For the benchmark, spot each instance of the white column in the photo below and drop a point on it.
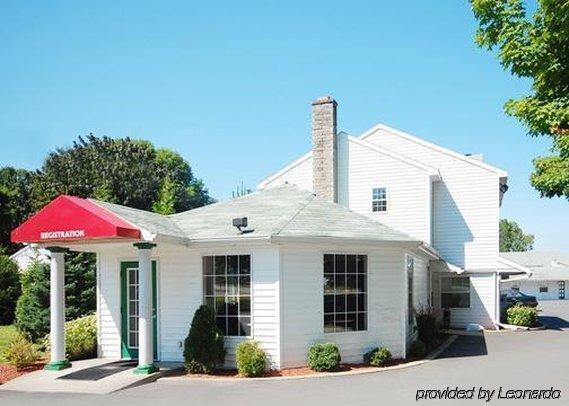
(145, 324)
(57, 310)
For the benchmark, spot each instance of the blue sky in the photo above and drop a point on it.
(229, 84)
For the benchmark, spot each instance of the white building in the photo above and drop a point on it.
(449, 200)
(549, 274)
(366, 230)
(28, 255)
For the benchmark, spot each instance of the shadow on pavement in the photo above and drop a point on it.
(466, 346)
(554, 322)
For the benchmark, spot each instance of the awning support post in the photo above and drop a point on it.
(57, 310)
(145, 324)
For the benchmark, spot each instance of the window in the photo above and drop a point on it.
(543, 289)
(345, 293)
(410, 265)
(227, 290)
(379, 199)
(455, 292)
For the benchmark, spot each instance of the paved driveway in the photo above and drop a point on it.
(524, 360)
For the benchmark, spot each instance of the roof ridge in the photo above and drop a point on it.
(302, 207)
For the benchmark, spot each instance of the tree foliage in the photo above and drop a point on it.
(123, 171)
(32, 309)
(10, 289)
(512, 237)
(80, 285)
(537, 48)
(15, 202)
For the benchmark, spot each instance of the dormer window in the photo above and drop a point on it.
(379, 200)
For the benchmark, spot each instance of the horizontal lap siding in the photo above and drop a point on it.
(360, 169)
(108, 306)
(180, 295)
(531, 287)
(465, 203)
(303, 324)
(300, 175)
(481, 311)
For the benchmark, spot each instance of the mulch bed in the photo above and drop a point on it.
(8, 372)
(300, 371)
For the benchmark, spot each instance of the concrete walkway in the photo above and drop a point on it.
(93, 376)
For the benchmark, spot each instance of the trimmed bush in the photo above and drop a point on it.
(251, 359)
(81, 338)
(418, 349)
(203, 348)
(10, 289)
(21, 352)
(522, 316)
(377, 357)
(427, 326)
(324, 357)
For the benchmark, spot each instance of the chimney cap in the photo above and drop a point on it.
(324, 100)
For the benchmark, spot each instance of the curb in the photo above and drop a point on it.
(372, 370)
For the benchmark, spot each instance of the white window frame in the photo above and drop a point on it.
(450, 291)
(365, 292)
(229, 254)
(385, 199)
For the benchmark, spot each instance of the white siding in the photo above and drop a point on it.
(531, 287)
(482, 301)
(180, 295)
(465, 203)
(299, 175)
(302, 304)
(360, 169)
(108, 306)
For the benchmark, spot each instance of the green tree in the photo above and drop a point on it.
(166, 201)
(122, 171)
(512, 237)
(10, 289)
(80, 285)
(15, 202)
(537, 48)
(32, 309)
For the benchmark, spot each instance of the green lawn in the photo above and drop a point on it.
(6, 335)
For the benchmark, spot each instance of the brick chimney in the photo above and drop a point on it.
(325, 148)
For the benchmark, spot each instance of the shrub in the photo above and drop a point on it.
(251, 359)
(80, 338)
(324, 357)
(20, 352)
(10, 289)
(203, 348)
(522, 316)
(418, 349)
(32, 309)
(377, 357)
(427, 325)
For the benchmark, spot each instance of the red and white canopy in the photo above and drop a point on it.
(69, 218)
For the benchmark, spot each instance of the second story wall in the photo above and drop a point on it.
(362, 168)
(465, 212)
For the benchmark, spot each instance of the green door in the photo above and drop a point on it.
(129, 310)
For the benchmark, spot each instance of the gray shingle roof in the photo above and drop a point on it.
(152, 222)
(280, 211)
(285, 211)
(544, 265)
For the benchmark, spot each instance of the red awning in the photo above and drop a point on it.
(69, 218)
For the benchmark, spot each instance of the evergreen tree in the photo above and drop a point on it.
(10, 289)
